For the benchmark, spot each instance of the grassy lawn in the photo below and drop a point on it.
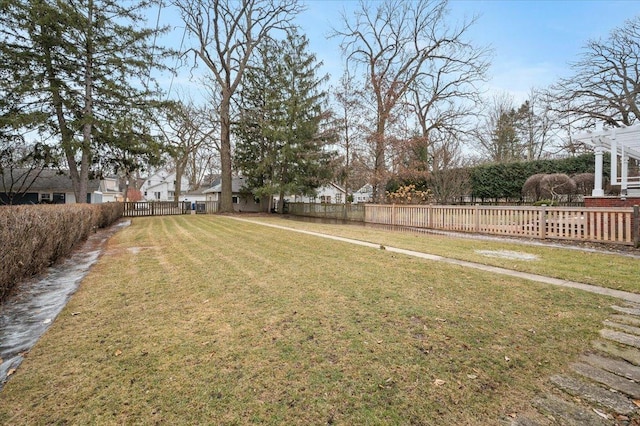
(207, 320)
(605, 270)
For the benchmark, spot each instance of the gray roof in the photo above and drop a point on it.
(48, 180)
(237, 185)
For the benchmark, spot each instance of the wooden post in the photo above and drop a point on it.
(636, 226)
(542, 222)
(476, 219)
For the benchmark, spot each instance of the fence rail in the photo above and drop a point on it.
(162, 208)
(155, 208)
(609, 225)
(353, 212)
(605, 225)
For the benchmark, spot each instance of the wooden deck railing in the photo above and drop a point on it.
(610, 225)
(155, 208)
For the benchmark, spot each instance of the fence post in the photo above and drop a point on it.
(393, 214)
(636, 226)
(542, 222)
(476, 219)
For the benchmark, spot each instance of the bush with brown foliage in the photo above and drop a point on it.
(584, 183)
(408, 194)
(532, 188)
(34, 237)
(556, 184)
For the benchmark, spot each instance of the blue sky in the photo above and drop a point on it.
(532, 41)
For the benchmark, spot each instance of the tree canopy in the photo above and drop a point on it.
(72, 69)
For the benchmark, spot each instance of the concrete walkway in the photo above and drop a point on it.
(623, 295)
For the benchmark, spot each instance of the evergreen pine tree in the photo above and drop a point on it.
(281, 147)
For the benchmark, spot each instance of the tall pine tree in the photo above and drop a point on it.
(282, 142)
(73, 69)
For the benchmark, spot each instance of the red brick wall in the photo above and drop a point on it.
(611, 202)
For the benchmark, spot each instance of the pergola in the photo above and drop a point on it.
(623, 143)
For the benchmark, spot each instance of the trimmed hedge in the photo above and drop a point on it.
(34, 237)
(506, 180)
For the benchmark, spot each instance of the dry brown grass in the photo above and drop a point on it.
(206, 320)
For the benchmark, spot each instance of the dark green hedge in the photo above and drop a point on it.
(33, 237)
(501, 181)
(505, 181)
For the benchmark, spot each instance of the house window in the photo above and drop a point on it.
(312, 199)
(45, 198)
(58, 198)
(325, 199)
(339, 198)
(235, 200)
(156, 195)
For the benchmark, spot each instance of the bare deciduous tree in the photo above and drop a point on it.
(605, 85)
(349, 118)
(393, 42)
(536, 125)
(226, 33)
(186, 130)
(497, 136)
(445, 95)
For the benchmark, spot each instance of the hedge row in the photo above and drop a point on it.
(497, 181)
(33, 237)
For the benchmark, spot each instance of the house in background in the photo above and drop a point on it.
(52, 187)
(194, 196)
(330, 194)
(161, 186)
(243, 201)
(363, 195)
(110, 189)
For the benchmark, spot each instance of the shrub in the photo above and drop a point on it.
(408, 194)
(33, 237)
(556, 184)
(531, 187)
(584, 183)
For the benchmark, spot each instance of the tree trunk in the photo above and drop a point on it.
(181, 165)
(281, 202)
(379, 171)
(226, 197)
(87, 127)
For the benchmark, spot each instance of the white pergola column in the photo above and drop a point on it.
(624, 159)
(597, 186)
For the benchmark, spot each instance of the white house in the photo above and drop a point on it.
(243, 201)
(110, 189)
(330, 194)
(363, 195)
(161, 186)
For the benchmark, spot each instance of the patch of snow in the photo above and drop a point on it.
(507, 254)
